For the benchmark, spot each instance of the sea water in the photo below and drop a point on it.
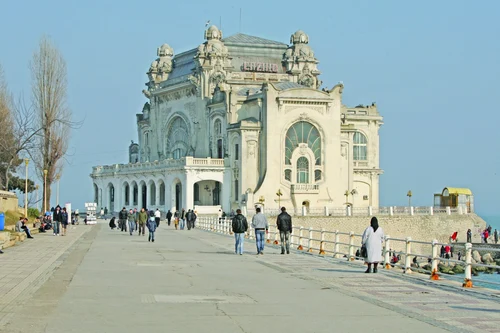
(494, 221)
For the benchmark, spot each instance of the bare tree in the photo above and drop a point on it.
(48, 70)
(8, 156)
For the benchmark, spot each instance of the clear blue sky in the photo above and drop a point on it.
(431, 66)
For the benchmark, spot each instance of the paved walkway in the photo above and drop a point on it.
(28, 265)
(191, 281)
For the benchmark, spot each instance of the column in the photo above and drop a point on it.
(131, 195)
(157, 195)
(187, 191)
(148, 196)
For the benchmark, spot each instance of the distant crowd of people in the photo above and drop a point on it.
(134, 220)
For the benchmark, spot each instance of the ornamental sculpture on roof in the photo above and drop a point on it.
(161, 67)
(299, 60)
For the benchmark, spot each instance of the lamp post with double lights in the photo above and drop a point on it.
(26, 161)
(58, 177)
(45, 171)
(409, 195)
(37, 203)
(279, 194)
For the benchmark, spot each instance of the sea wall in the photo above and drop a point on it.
(420, 228)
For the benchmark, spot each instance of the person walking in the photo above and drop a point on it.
(259, 223)
(151, 224)
(469, 236)
(169, 217)
(56, 220)
(136, 213)
(122, 219)
(131, 221)
(373, 236)
(190, 218)
(240, 226)
(495, 236)
(157, 217)
(284, 224)
(176, 219)
(182, 219)
(65, 221)
(143, 217)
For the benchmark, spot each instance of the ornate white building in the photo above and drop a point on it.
(239, 120)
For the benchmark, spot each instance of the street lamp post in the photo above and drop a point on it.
(409, 194)
(58, 177)
(45, 190)
(279, 194)
(37, 203)
(353, 192)
(346, 194)
(26, 161)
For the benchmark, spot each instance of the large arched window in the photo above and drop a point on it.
(302, 132)
(359, 147)
(302, 170)
(178, 138)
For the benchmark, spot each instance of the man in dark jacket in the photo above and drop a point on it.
(284, 223)
(240, 226)
(122, 219)
(169, 217)
(57, 220)
(190, 218)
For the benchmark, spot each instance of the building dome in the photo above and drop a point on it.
(165, 51)
(213, 33)
(299, 37)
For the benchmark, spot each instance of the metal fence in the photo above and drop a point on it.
(343, 244)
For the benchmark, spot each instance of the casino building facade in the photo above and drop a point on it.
(240, 122)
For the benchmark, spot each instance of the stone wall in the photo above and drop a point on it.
(421, 228)
(8, 201)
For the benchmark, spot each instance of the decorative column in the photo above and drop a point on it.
(157, 195)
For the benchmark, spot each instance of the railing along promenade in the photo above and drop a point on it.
(371, 211)
(343, 245)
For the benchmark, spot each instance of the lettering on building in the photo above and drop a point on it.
(260, 67)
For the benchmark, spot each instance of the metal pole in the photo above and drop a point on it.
(57, 192)
(45, 190)
(26, 190)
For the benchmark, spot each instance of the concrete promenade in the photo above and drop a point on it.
(191, 281)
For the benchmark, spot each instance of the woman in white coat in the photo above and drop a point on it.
(372, 239)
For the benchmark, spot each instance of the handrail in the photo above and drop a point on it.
(346, 244)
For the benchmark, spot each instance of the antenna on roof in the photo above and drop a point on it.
(220, 23)
(240, 19)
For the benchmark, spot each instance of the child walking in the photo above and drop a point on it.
(151, 224)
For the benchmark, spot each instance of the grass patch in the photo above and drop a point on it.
(11, 217)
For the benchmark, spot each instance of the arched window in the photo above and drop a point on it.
(178, 138)
(177, 154)
(302, 132)
(218, 127)
(302, 170)
(196, 191)
(359, 147)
